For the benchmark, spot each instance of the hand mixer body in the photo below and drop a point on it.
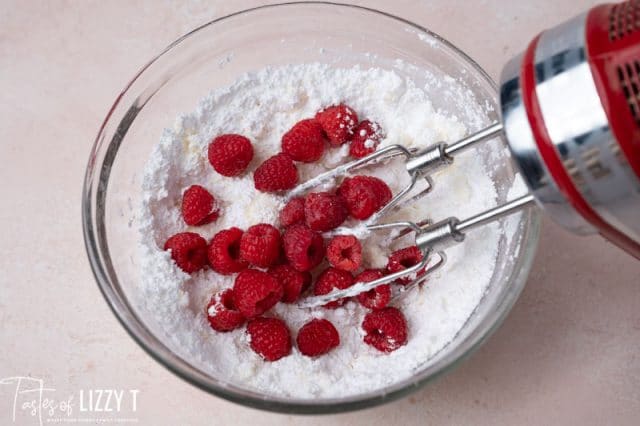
(571, 117)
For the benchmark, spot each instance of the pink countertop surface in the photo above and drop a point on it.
(569, 352)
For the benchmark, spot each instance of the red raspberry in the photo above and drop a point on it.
(364, 195)
(269, 338)
(198, 206)
(386, 329)
(344, 252)
(324, 211)
(382, 191)
(255, 292)
(292, 213)
(293, 282)
(230, 154)
(305, 141)
(260, 245)
(303, 247)
(366, 138)
(403, 259)
(378, 297)
(222, 312)
(224, 252)
(338, 123)
(317, 337)
(276, 174)
(188, 250)
(333, 279)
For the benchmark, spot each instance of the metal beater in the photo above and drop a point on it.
(570, 108)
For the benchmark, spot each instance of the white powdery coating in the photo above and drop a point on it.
(263, 106)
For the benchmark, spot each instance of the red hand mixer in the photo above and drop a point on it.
(570, 109)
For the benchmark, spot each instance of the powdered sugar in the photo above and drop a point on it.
(263, 106)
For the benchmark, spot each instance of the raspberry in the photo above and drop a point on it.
(317, 337)
(381, 189)
(188, 250)
(198, 206)
(364, 195)
(255, 292)
(403, 259)
(276, 174)
(344, 252)
(293, 282)
(366, 138)
(333, 279)
(269, 338)
(376, 298)
(260, 245)
(230, 154)
(305, 141)
(224, 252)
(303, 247)
(324, 211)
(386, 329)
(222, 312)
(292, 213)
(338, 123)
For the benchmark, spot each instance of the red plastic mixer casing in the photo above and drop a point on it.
(613, 48)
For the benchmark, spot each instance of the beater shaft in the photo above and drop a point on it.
(443, 234)
(497, 212)
(480, 136)
(441, 154)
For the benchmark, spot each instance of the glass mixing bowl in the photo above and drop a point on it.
(213, 56)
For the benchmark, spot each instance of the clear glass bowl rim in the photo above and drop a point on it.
(96, 245)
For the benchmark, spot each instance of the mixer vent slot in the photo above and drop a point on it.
(629, 75)
(624, 19)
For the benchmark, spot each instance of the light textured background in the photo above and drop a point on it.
(568, 352)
